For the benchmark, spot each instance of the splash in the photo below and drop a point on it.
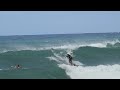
(92, 72)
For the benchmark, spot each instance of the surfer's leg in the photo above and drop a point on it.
(71, 62)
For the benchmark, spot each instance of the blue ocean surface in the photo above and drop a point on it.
(44, 56)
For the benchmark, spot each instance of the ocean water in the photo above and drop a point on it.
(44, 56)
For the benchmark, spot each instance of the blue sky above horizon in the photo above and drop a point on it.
(58, 22)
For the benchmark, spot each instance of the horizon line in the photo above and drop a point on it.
(58, 33)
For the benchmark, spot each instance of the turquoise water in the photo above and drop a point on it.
(44, 56)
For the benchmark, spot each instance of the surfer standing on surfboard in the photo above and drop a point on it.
(70, 58)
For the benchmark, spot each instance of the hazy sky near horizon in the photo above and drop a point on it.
(58, 22)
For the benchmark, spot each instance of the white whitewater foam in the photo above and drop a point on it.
(59, 58)
(92, 72)
(100, 45)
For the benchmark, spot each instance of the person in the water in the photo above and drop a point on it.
(17, 66)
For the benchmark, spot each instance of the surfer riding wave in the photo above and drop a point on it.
(70, 59)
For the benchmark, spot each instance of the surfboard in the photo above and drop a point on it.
(73, 65)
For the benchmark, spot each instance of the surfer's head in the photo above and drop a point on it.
(18, 66)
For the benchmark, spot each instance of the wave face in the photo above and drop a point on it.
(44, 56)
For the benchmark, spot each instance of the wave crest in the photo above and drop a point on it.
(74, 46)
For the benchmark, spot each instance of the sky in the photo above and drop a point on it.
(58, 22)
